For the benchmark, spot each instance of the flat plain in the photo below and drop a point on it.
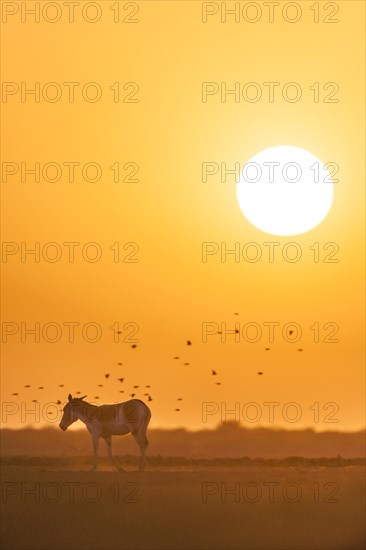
(181, 505)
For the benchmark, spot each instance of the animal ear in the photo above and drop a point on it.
(83, 397)
(70, 397)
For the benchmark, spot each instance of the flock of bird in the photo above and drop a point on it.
(146, 395)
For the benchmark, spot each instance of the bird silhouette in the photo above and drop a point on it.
(186, 364)
(27, 386)
(300, 349)
(121, 379)
(189, 343)
(61, 385)
(218, 383)
(176, 357)
(134, 346)
(120, 364)
(41, 387)
(58, 402)
(96, 396)
(177, 410)
(121, 391)
(290, 332)
(107, 375)
(136, 387)
(260, 373)
(179, 399)
(147, 386)
(213, 372)
(267, 349)
(15, 394)
(132, 394)
(100, 385)
(149, 398)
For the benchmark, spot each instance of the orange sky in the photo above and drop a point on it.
(169, 293)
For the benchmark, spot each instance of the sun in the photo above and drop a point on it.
(285, 190)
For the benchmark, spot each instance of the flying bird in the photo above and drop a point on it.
(218, 383)
(267, 349)
(100, 385)
(41, 387)
(58, 402)
(175, 357)
(132, 394)
(134, 346)
(186, 364)
(177, 410)
(260, 373)
(106, 375)
(96, 397)
(61, 385)
(149, 398)
(120, 364)
(27, 386)
(136, 387)
(121, 379)
(179, 399)
(189, 343)
(213, 372)
(300, 349)
(15, 394)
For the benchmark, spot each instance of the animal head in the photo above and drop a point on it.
(70, 411)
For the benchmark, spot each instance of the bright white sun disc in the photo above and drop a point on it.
(285, 190)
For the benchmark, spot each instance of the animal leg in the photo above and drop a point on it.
(143, 443)
(95, 450)
(108, 440)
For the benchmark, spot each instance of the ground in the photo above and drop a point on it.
(183, 507)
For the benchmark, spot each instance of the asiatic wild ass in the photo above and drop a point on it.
(131, 416)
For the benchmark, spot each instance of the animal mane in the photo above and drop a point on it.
(77, 400)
